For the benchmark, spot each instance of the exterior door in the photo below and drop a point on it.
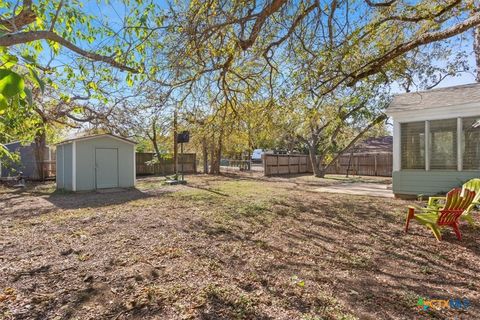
(106, 168)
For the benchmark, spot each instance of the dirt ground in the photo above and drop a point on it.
(227, 247)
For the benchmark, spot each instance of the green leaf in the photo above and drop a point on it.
(11, 83)
(29, 95)
(129, 80)
(3, 103)
(37, 79)
(29, 59)
(55, 47)
(92, 85)
(8, 60)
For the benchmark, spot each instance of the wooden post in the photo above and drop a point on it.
(195, 163)
(288, 157)
(278, 166)
(175, 144)
(375, 155)
(356, 166)
(183, 160)
(265, 171)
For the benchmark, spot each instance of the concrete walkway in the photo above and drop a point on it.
(364, 189)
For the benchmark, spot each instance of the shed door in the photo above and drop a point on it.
(106, 168)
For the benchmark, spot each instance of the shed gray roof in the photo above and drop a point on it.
(86, 137)
(434, 98)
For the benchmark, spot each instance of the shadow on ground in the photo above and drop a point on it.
(297, 254)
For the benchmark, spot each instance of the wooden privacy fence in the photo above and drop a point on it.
(357, 164)
(285, 164)
(165, 165)
(49, 169)
(363, 164)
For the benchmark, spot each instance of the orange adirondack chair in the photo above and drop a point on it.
(449, 215)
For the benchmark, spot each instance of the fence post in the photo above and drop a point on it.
(357, 166)
(265, 172)
(288, 158)
(375, 155)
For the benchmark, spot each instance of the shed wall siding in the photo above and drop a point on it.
(67, 172)
(59, 167)
(416, 182)
(86, 162)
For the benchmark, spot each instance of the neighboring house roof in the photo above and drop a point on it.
(436, 98)
(374, 145)
(88, 137)
(9, 143)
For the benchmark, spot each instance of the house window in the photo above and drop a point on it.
(471, 143)
(413, 145)
(443, 144)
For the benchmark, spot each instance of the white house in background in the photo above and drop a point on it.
(436, 139)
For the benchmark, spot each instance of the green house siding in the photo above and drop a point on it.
(420, 182)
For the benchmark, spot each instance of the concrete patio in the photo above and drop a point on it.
(364, 189)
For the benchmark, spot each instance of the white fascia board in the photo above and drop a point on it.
(96, 137)
(397, 148)
(448, 112)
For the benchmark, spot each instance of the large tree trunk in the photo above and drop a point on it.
(322, 168)
(215, 157)
(153, 139)
(157, 151)
(213, 164)
(205, 154)
(312, 150)
(40, 146)
(218, 153)
(218, 146)
(476, 50)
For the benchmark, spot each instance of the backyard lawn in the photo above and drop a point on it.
(226, 247)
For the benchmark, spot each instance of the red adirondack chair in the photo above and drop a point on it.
(436, 218)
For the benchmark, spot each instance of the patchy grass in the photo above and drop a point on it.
(237, 247)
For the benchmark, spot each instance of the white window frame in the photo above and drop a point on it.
(397, 144)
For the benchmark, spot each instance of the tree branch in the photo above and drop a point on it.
(375, 66)
(380, 4)
(376, 121)
(52, 25)
(24, 18)
(292, 28)
(29, 36)
(259, 22)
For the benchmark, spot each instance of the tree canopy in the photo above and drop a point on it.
(318, 74)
